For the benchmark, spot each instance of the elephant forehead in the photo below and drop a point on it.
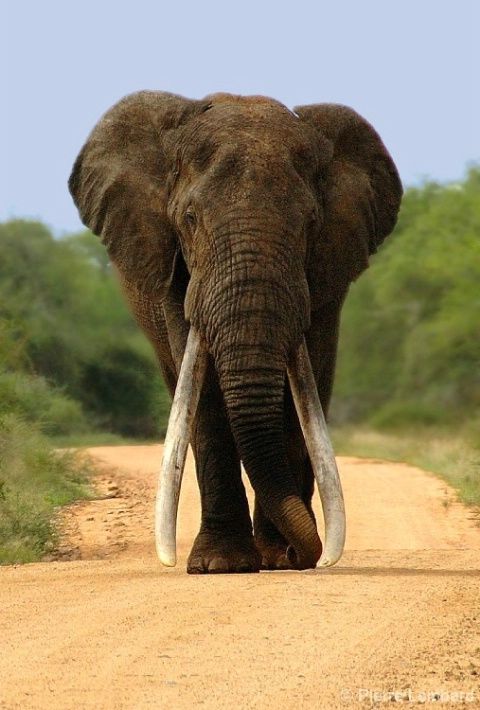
(246, 102)
(263, 129)
(261, 118)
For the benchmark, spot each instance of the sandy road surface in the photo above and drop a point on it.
(110, 628)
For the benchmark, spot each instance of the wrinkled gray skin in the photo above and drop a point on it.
(248, 221)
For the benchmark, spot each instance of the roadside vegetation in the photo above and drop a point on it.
(75, 369)
(408, 377)
(453, 455)
(34, 481)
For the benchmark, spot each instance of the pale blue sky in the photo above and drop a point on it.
(410, 67)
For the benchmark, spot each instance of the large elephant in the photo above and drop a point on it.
(244, 222)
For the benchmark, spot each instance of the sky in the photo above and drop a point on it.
(409, 67)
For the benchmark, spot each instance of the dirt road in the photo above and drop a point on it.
(112, 629)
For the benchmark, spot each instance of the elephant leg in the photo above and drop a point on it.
(322, 339)
(225, 540)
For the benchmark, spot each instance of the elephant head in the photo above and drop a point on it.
(274, 213)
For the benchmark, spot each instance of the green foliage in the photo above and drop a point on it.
(402, 415)
(71, 361)
(410, 345)
(34, 400)
(126, 391)
(34, 480)
(64, 320)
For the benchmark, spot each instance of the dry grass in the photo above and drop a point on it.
(454, 456)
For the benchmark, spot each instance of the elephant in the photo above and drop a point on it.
(236, 226)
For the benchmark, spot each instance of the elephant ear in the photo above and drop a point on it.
(119, 184)
(361, 192)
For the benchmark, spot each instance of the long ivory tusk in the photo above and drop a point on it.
(312, 421)
(185, 401)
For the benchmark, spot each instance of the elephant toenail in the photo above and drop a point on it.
(291, 555)
(244, 566)
(218, 564)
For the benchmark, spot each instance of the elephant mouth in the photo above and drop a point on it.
(314, 429)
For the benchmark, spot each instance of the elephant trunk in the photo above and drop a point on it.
(251, 338)
(254, 397)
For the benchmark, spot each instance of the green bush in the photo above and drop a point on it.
(125, 390)
(409, 341)
(33, 400)
(405, 415)
(34, 480)
(61, 314)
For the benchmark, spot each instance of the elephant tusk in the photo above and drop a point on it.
(312, 421)
(185, 401)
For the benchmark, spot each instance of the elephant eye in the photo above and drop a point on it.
(190, 217)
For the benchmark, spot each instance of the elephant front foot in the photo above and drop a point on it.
(271, 545)
(278, 555)
(223, 552)
(274, 549)
(274, 553)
